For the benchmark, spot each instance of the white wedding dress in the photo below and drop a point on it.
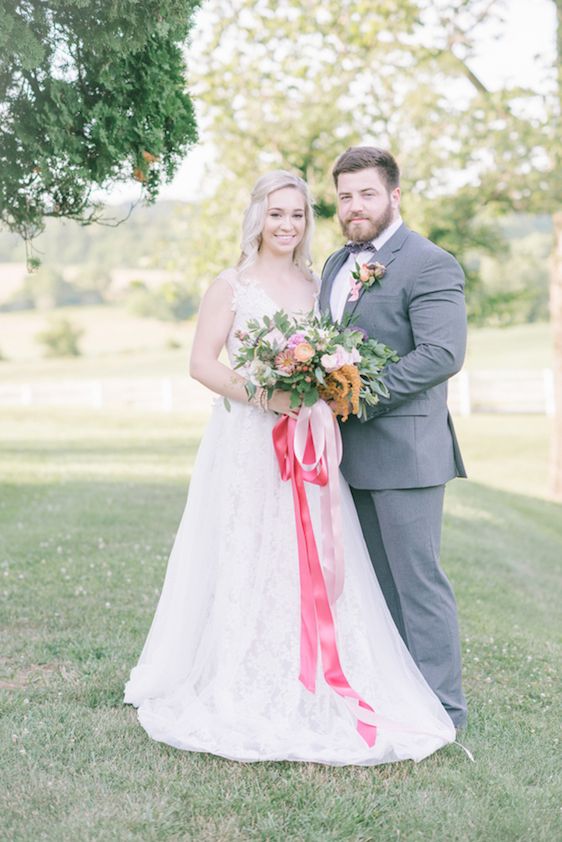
(219, 670)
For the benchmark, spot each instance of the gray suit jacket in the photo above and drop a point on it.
(418, 310)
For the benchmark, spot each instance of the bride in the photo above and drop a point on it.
(219, 671)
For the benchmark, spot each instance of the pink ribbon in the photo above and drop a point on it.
(309, 450)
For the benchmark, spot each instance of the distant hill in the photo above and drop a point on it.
(139, 241)
(142, 239)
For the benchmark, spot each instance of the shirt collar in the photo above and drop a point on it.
(379, 241)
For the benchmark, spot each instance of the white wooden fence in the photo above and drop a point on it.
(470, 392)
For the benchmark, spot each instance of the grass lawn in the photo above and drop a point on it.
(526, 346)
(88, 508)
(118, 344)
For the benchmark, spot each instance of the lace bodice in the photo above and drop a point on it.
(251, 301)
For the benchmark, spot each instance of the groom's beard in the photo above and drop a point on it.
(370, 228)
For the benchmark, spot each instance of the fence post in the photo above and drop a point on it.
(167, 395)
(26, 395)
(97, 394)
(465, 407)
(549, 398)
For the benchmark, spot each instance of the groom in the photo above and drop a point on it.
(398, 461)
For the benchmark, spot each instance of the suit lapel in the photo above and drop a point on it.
(331, 269)
(386, 255)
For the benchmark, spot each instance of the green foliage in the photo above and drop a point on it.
(514, 283)
(271, 97)
(169, 302)
(46, 288)
(92, 93)
(61, 338)
(149, 236)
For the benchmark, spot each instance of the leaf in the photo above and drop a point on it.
(319, 374)
(227, 404)
(311, 397)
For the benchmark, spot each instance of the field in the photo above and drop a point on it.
(115, 343)
(89, 502)
(88, 510)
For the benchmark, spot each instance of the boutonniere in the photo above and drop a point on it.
(363, 277)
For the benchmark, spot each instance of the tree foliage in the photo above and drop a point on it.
(61, 338)
(292, 84)
(91, 93)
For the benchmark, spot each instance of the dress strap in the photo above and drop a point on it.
(232, 277)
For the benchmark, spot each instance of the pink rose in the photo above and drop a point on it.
(331, 362)
(328, 361)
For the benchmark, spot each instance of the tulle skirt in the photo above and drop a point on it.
(219, 669)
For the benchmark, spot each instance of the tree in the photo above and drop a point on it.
(60, 338)
(556, 281)
(91, 93)
(292, 84)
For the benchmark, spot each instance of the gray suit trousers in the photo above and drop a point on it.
(402, 529)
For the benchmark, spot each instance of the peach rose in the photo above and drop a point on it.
(364, 273)
(303, 352)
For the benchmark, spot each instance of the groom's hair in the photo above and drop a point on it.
(362, 157)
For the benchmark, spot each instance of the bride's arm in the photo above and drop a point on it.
(213, 325)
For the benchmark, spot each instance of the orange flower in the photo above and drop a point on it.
(149, 157)
(342, 388)
(364, 273)
(303, 352)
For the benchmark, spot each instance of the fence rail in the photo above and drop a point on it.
(494, 391)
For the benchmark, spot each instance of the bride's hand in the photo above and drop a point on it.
(280, 402)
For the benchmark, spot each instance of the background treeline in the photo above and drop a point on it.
(508, 282)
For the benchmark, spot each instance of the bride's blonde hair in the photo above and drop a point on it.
(255, 213)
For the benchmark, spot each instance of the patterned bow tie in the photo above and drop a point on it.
(355, 248)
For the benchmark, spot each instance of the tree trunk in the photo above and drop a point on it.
(556, 319)
(556, 283)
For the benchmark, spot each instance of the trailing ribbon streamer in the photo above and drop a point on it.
(309, 450)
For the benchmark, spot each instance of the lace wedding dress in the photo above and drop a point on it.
(219, 670)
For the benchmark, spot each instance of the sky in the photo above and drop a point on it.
(515, 52)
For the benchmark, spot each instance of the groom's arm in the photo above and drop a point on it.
(437, 316)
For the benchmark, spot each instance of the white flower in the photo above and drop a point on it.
(261, 374)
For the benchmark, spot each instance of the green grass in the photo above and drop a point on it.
(526, 346)
(510, 452)
(115, 343)
(88, 508)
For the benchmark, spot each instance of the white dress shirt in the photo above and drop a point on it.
(341, 286)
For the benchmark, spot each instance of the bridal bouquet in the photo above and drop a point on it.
(314, 359)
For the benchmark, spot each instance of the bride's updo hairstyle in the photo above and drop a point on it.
(255, 214)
